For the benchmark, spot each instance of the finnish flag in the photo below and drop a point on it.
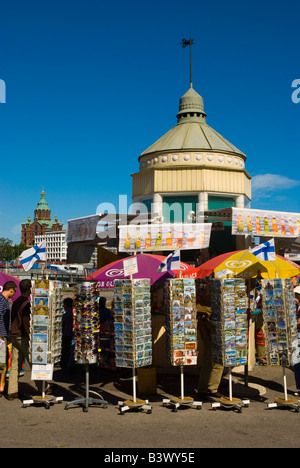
(265, 251)
(172, 262)
(30, 256)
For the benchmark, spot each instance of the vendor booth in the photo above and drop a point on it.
(240, 266)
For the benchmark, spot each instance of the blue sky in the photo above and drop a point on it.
(91, 84)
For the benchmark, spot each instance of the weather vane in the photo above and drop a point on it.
(184, 44)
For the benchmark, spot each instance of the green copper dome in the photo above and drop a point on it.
(42, 204)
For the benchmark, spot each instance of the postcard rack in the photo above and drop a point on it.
(45, 337)
(181, 327)
(229, 332)
(86, 329)
(133, 333)
(280, 324)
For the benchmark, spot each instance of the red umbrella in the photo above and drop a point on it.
(147, 267)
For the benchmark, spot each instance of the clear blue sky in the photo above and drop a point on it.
(91, 84)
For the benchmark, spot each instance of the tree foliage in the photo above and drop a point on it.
(10, 251)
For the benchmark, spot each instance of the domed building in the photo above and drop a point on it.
(191, 169)
(41, 224)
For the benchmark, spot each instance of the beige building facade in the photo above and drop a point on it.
(193, 166)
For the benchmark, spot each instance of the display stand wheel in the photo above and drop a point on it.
(291, 403)
(233, 403)
(42, 400)
(134, 404)
(183, 401)
(128, 405)
(186, 402)
(88, 400)
(228, 402)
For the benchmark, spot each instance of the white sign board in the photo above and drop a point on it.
(265, 223)
(157, 237)
(42, 372)
(130, 266)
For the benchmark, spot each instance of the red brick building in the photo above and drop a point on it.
(41, 224)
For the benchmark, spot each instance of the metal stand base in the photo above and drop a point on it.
(230, 403)
(175, 403)
(234, 403)
(291, 403)
(134, 405)
(88, 400)
(42, 400)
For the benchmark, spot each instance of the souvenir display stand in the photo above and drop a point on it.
(229, 332)
(133, 333)
(86, 328)
(280, 327)
(180, 299)
(45, 336)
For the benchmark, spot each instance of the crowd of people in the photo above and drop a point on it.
(15, 328)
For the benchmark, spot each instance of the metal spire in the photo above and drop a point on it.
(185, 43)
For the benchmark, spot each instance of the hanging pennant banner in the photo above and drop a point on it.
(157, 237)
(265, 223)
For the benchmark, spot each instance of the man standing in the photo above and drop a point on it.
(9, 290)
(20, 329)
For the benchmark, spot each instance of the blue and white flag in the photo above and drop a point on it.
(30, 256)
(172, 262)
(265, 251)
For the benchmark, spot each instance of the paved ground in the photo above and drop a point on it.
(256, 426)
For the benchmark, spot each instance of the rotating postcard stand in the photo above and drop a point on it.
(280, 324)
(181, 326)
(86, 327)
(45, 337)
(133, 333)
(229, 332)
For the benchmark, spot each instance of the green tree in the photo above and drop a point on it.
(9, 251)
